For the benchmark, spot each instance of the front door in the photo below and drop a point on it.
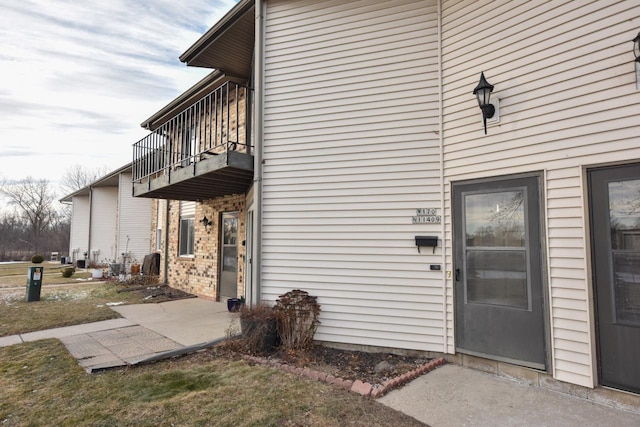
(499, 298)
(615, 242)
(229, 255)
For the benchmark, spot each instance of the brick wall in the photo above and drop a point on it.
(199, 274)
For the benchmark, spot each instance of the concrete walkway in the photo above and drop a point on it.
(188, 321)
(144, 332)
(453, 395)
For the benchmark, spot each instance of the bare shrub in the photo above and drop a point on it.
(297, 314)
(259, 330)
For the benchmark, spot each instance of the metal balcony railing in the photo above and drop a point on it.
(214, 125)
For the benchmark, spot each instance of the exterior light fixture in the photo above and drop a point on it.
(483, 93)
(206, 222)
(636, 55)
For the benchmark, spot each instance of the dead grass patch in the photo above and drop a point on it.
(43, 385)
(60, 306)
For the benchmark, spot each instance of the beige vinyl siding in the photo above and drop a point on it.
(134, 221)
(79, 235)
(351, 150)
(104, 207)
(563, 71)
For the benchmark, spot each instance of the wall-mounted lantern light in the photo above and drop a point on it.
(636, 55)
(483, 93)
(206, 222)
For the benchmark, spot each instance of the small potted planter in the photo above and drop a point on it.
(235, 304)
(135, 269)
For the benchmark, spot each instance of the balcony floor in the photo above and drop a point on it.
(215, 176)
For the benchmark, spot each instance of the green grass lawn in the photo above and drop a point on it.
(43, 385)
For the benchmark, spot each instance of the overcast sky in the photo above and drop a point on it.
(77, 77)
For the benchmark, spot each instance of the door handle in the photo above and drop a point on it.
(457, 274)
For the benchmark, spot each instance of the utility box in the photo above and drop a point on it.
(34, 283)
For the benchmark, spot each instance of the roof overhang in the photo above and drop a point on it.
(228, 45)
(112, 179)
(192, 95)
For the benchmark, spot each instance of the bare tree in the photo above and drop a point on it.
(77, 177)
(34, 200)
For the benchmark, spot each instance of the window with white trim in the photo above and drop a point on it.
(187, 228)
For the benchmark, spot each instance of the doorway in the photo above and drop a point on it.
(614, 200)
(229, 255)
(498, 280)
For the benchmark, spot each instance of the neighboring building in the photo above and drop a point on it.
(369, 146)
(107, 222)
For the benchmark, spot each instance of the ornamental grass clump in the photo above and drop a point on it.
(297, 314)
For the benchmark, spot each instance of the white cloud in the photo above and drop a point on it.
(77, 78)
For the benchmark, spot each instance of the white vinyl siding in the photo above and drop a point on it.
(134, 222)
(104, 208)
(351, 150)
(563, 71)
(79, 236)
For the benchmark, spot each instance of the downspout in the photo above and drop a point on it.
(445, 338)
(86, 263)
(165, 263)
(258, 126)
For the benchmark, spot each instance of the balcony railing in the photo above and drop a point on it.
(214, 125)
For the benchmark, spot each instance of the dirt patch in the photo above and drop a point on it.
(372, 368)
(155, 293)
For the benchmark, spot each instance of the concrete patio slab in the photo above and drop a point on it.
(453, 395)
(117, 347)
(188, 321)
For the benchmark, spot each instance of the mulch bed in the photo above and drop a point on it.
(374, 368)
(151, 292)
(369, 374)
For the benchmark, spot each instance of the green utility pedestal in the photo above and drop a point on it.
(34, 283)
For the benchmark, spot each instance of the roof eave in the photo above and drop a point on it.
(216, 31)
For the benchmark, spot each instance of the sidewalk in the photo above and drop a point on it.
(145, 331)
(453, 395)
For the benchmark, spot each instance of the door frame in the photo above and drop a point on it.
(591, 272)
(235, 214)
(544, 264)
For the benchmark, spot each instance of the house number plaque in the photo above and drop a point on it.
(426, 216)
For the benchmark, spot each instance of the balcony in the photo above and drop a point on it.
(203, 152)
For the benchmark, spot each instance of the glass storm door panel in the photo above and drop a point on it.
(498, 271)
(615, 242)
(229, 256)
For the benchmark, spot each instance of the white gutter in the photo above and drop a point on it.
(257, 162)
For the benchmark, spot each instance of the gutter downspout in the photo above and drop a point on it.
(258, 126)
(86, 262)
(165, 266)
(445, 338)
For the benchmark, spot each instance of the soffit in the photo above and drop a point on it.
(228, 45)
